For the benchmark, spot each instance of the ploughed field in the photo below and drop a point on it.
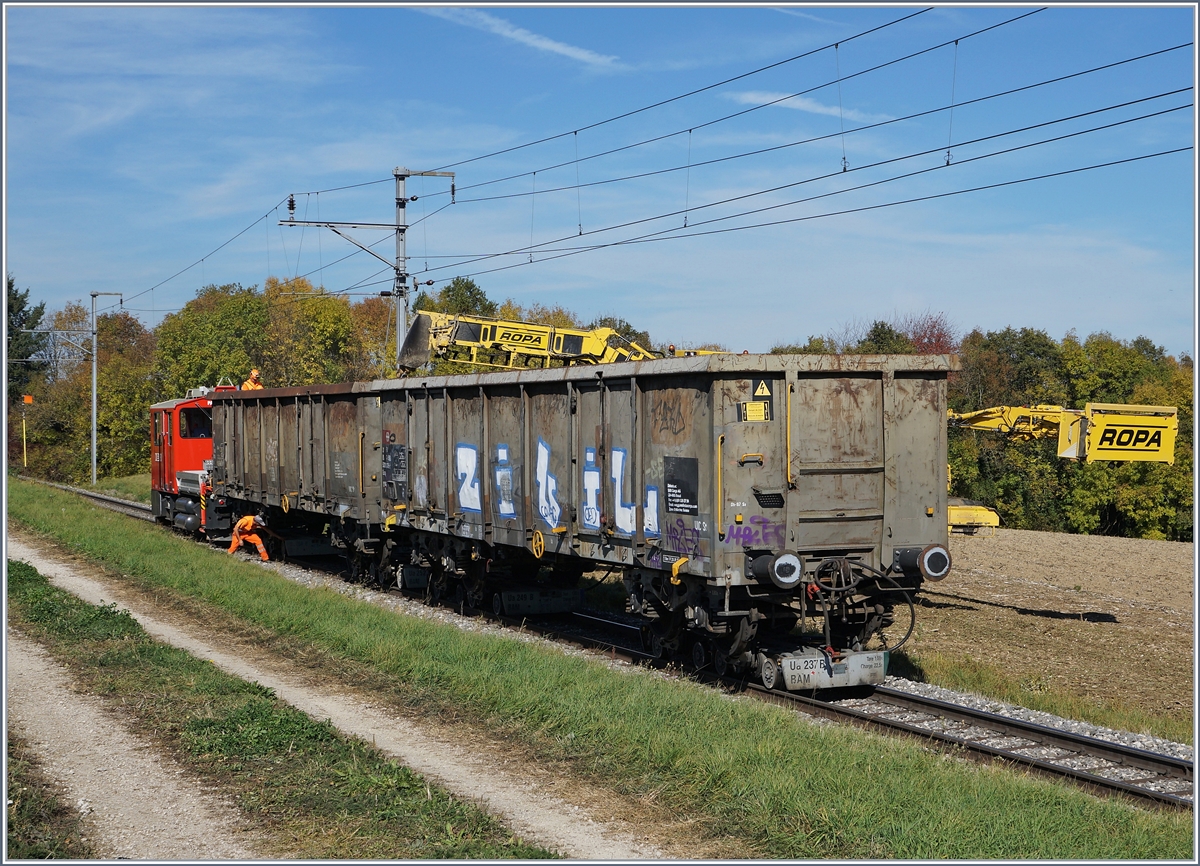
(1105, 619)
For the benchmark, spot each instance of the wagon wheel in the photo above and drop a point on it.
(538, 544)
(699, 655)
(433, 590)
(498, 604)
(720, 662)
(769, 673)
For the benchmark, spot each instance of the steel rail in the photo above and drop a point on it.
(981, 734)
(134, 509)
(1083, 759)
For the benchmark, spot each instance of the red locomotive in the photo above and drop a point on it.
(181, 452)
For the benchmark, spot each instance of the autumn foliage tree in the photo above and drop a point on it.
(310, 336)
(219, 334)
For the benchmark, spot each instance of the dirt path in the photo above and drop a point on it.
(523, 800)
(135, 804)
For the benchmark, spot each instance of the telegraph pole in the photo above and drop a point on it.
(400, 289)
(95, 353)
(400, 285)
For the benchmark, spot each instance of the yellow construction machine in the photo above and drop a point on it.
(1099, 431)
(516, 345)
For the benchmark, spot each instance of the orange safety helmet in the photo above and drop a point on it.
(254, 374)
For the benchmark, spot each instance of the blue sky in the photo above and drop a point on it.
(138, 140)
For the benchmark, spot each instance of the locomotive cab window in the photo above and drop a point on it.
(158, 428)
(195, 424)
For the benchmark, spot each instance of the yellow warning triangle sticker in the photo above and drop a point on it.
(762, 390)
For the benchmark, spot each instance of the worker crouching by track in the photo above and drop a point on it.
(245, 531)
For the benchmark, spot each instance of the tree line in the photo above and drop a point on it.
(297, 334)
(1026, 482)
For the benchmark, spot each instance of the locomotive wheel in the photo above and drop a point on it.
(699, 655)
(460, 595)
(769, 673)
(657, 648)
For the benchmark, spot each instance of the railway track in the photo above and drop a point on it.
(134, 509)
(1099, 765)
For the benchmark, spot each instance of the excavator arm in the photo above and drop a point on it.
(1099, 431)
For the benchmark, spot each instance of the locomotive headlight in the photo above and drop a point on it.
(934, 562)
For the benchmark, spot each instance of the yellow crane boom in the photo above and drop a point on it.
(1099, 431)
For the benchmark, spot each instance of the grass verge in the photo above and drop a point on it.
(745, 770)
(318, 793)
(969, 675)
(135, 488)
(41, 825)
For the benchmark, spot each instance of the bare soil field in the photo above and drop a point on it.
(1110, 619)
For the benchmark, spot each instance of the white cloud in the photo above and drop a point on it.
(802, 103)
(500, 27)
(799, 14)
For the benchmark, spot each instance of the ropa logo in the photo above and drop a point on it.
(514, 337)
(1131, 437)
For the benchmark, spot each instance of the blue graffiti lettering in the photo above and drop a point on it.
(625, 512)
(548, 507)
(504, 483)
(466, 458)
(650, 521)
(590, 517)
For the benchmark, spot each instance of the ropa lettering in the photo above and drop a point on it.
(514, 337)
(1130, 437)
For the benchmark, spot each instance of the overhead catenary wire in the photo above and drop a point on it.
(751, 109)
(575, 135)
(690, 93)
(864, 128)
(182, 271)
(666, 215)
(864, 208)
(629, 114)
(652, 105)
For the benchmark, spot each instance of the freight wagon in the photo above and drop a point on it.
(770, 513)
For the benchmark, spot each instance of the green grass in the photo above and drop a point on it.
(135, 488)
(968, 675)
(41, 825)
(744, 770)
(289, 772)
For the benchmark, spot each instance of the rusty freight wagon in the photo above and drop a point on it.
(766, 512)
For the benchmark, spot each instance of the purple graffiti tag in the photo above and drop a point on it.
(761, 532)
(681, 538)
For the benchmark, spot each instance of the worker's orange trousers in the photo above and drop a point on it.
(249, 538)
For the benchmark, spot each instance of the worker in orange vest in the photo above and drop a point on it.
(245, 531)
(254, 383)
